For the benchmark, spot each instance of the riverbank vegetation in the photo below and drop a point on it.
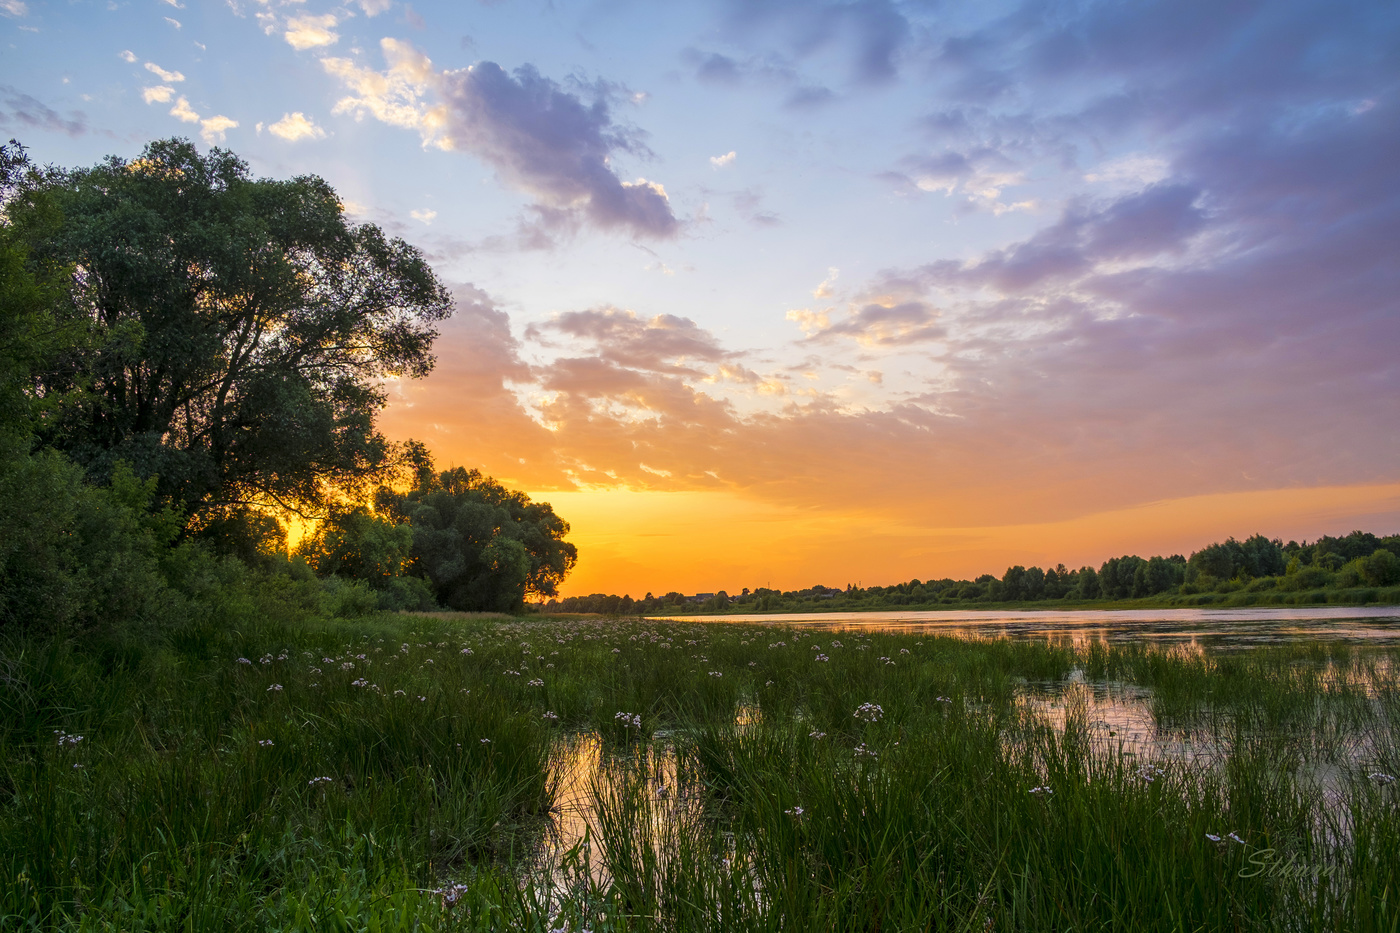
(1355, 569)
(276, 771)
(192, 360)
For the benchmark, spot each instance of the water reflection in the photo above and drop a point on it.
(1192, 628)
(622, 807)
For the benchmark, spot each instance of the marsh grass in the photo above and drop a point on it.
(407, 773)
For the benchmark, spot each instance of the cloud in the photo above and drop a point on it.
(1160, 219)
(722, 161)
(1133, 171)
(541, 139)
(183, 111)
(174, 77)
(296, 126)
(308, 32)
(213, 129)
(174, 22)
(30, 113)
(373, 8)
(663, 343)
(14, 8)
(1216, 313)
(128, 56)
(160, 94)
(870, 36)
(889, 322)
(423, 216)
(176, 4)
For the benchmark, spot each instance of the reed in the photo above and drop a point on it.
(400, 772)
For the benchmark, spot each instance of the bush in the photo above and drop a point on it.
(348, 598)
(1306, 578)
(407, 594)
(1382, 568)
(76, 556)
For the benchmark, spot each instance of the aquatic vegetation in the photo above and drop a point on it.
(544, 774)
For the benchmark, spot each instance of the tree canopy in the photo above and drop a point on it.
(236, 330)
(186, 353)
(480, 545)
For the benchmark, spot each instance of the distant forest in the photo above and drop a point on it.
(1357, 568)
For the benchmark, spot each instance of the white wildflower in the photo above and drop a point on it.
(870, 712)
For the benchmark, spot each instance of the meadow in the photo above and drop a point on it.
(454, 772)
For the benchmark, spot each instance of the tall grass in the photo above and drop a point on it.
(400, 772)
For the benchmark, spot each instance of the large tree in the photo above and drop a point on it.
(238, 329)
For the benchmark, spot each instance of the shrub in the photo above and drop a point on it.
(1382, 568)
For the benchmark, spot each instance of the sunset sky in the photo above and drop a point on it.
(782, 293)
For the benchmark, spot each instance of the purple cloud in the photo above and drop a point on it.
(551, 143)
(31, 113)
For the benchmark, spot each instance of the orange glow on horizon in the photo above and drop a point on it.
(632, 542)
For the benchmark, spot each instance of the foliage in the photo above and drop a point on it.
(185, 351)
(358, 545)
(235, 329)
(480, 545)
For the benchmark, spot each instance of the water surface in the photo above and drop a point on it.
(1203, 628)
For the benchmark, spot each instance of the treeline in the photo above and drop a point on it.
(189, 357)
(1355, 568)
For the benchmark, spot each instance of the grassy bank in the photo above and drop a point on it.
(397, 772)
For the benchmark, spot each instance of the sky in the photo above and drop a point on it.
(775, 293)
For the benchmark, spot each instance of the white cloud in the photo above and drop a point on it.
(213, 129)
(375, 7)
(182, 111)
(721, 161)
(825, 289)
(176, 4)
(128, 56)
(174, 22)
(307, 32)
(174, 77)
(538, 135)
(160, 94)
(425, 215)
(393, 97)
(810, 321)
(14, 8)
(295, 126)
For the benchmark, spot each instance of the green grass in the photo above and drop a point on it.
(918, 817)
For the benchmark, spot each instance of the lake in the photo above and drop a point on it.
(1198, 628)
